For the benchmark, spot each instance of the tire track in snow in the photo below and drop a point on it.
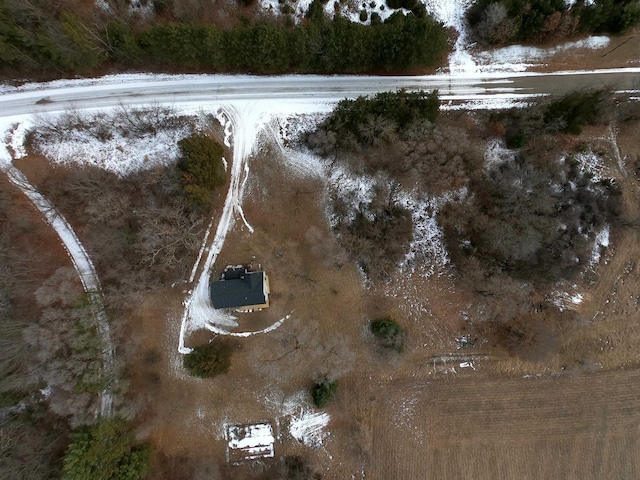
(246, 120)
(81, 262)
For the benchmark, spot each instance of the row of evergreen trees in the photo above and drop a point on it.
(32, 40)
(505, 21)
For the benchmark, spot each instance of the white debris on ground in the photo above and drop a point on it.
(566, 297)
(404, 418)
(309, 427)
(464, 341)
(249, 442)
(303, 422)
(496, 153)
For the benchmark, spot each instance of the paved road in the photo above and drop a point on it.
(199, 89)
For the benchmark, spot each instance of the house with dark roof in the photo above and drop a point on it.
(241, 289)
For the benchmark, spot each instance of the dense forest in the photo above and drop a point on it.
(507, 21)
(39, 37)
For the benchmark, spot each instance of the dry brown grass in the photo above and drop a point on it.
(395, 416)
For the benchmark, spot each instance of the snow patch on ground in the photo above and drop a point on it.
(309, 427)
(17, 139)
(592, 163)
(601, 242)
(355, 190)
(427, 250)
(566, 296)
(302, 420)
(488, 102)
(452, 13)
(249, 442)
(571, 3)
(519, 58)
(350, 10)
(145, 9)
(103, 5)
(286, 131)
(117, 148)
(496, 154)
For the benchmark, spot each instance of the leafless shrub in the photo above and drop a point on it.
(493, 18)
(166, 233)
(125, 122)
(62, 288)
(378, 234)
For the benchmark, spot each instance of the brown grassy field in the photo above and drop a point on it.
(569, 427)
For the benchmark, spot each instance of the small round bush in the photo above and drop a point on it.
(207, 361)
(388, 333)
(323, 391)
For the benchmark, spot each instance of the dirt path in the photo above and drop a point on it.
(246, 120)
(83, 265)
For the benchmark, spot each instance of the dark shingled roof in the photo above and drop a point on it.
(238, 288)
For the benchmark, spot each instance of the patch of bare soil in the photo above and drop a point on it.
(487, 428)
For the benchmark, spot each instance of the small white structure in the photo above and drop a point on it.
(249, 442)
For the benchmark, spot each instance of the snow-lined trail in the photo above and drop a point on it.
(81, 262)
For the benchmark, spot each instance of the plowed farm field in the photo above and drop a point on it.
(526, 428)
